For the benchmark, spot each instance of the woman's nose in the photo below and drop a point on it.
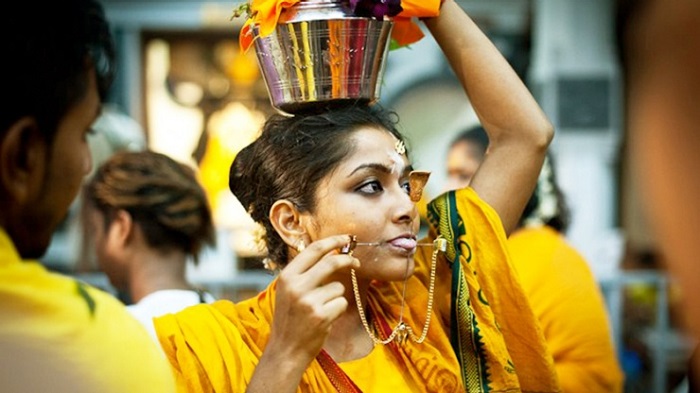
(406, 210)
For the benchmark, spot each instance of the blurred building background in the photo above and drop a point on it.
(185, 89)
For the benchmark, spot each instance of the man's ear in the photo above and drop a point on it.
(22, 160)
(289, 223)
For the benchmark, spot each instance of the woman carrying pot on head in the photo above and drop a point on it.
(360, 304)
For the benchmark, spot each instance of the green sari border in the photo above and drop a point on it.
(465, 336)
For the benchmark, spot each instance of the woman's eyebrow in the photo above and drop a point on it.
(374, 166)
(380, 168)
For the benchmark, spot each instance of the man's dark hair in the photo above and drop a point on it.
(48, 50)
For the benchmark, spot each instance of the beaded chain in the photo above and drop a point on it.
(402, 331)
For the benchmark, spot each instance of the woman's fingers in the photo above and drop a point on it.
(326, 293)
(298, 285)
(314, 252)
(325, 304)
(307, 301)
(335, 308)
(329, 265)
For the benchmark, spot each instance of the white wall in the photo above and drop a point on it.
(573, 39)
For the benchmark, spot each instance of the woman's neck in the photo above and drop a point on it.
(156, 271)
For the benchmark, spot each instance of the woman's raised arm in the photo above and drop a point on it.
(519, 131)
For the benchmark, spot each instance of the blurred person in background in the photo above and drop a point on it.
(57, 334)
(147, 214)
(464, 156)
(557, 280)
(659, 45)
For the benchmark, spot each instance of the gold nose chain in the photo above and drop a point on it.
(401, 332)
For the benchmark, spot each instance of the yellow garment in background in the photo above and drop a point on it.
(216, 347)
(570, 307)
(59, 335)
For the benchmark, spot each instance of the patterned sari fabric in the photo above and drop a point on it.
(482, 336)
(494, 333)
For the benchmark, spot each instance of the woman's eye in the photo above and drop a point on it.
(372, 187)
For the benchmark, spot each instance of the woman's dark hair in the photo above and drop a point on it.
(291, 157)
(45, 72)
(547, 184)
(475, 135)
(162, 196)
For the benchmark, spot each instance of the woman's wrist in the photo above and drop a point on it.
(442, 5)
(442, 2)
(276, 372)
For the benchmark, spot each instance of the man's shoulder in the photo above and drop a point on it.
(33, 298)
(62, 326)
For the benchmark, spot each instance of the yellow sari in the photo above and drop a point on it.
(483, 336)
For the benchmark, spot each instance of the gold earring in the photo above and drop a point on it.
(301, 245)
(417, 181)
(269, 264)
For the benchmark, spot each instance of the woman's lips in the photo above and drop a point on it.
(405, 243)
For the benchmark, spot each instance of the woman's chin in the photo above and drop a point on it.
(386, 266)
(397, 270)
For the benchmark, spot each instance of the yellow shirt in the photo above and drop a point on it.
(569, 306)
(59, 335)
(482, 336)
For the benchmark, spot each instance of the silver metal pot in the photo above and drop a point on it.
(320, 56)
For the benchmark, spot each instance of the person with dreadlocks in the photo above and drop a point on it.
(147, 214)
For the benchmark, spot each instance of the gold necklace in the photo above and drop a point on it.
(402, 331)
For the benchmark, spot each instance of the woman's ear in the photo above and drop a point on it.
(22, 161)
(288, 221)
(121, 229)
